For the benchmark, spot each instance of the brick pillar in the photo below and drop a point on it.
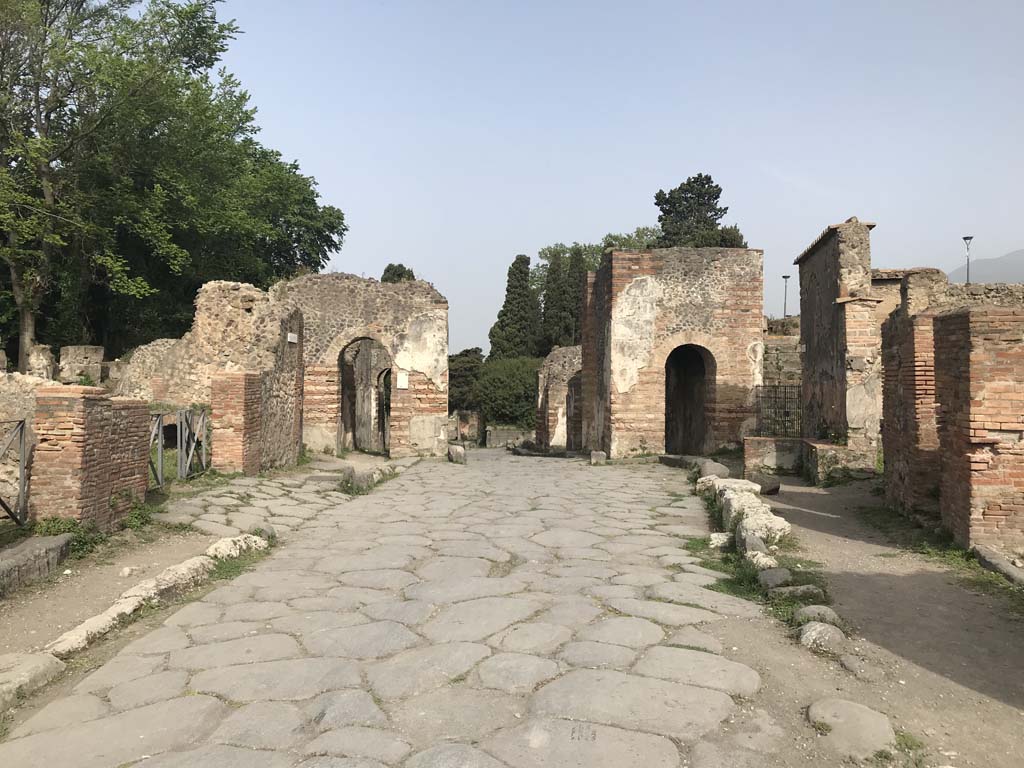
(321, 407)
(236, 404)
(71, 469)
(129, 454)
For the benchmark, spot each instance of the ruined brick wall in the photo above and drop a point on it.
(237, 401)
(556, 420)
(910, 431)
(594, 350)
(409, 319)
(17, 402)
(649, 303)
(237, 327)
(782, 360)
(839, 334)
(979, 354)
(91, 460)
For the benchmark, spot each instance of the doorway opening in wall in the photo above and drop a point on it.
(574, 414)
(689, 395)
(365, 414)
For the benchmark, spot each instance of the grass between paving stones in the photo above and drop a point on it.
(938, 546)
(228, 569)
(908, 752)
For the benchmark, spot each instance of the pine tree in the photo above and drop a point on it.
(691, 216)
(517, 332)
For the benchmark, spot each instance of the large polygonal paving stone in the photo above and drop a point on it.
(698, 668)
(477, 619)
(263, 725)
(364, 641)
(359, 741)
(244, 650)
(550, 743)
(515, 672)
(532, 637)
(340, 708)
(455, 590)
(423, 669)
(565, 537)
(221, 756)
(452, 756)
(288, 680)
(678, 592)
(624, 630)
(410, 612)
(637, 703)
(455, 713)
(454, 568)
(119, 739)
(588, 654)
(663, 613)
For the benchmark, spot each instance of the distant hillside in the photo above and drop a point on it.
(1005, 269)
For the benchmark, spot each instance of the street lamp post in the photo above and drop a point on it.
(785, 295)
(967, 244)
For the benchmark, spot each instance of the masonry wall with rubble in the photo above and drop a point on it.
(641, 306)
(409, 320)
(913, 460)
(839, 335)
(980, 366)
(559, 423)
(782, 351)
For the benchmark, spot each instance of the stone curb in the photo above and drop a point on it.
(171, 581)
(994, 561)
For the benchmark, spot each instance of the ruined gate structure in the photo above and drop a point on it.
(672, 348)
(560, 400)
(376, 363)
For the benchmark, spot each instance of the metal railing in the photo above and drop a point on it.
(156, 437)
(779, 410)
(193, 458)
(15, 433)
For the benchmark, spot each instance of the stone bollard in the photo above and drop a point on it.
(598, 458)
(456, 454)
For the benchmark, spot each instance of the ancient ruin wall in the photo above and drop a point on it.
(410, 319)
(839, 333)
(559, 415)
(980, 364)
(910, 431)
(661, 299)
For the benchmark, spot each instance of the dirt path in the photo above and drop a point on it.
(954, 658)
(34, 615)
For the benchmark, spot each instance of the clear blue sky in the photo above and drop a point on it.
(455, 135)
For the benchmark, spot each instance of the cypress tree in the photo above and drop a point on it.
(575, 280)
(517, 332)
(554, 304)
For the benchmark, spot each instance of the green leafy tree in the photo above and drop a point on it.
(397, 273)
(507, 391)
(517, 332)
(130, 177)
(559, 301)
(640, 238)
(691, 216)
(463, 372)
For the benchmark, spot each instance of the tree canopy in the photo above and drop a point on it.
(132, 174)
(691, 216)
(517, 331)
(463, 372)
(397, 273)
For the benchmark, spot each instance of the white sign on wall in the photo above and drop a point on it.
(402, 380)
(293, 338)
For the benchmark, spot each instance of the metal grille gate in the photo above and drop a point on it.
(779, 410)
(15, 433)
(192, 444)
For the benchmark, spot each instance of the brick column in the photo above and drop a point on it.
(71, 469)
(236, 404)
(129, 455)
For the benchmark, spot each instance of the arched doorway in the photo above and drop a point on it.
(364, 418)
(689, 395)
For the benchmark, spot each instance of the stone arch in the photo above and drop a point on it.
(690, 379)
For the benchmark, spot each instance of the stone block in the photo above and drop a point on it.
(598, 458)
(456, 454)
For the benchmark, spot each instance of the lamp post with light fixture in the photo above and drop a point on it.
(785, 294)
(967, 244)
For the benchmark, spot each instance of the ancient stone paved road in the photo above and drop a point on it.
(513, 612)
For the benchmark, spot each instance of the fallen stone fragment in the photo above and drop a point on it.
(713, 468)
(823, 638)
(598, 458)
(762, 561)
(820, 613)
(862, 669)
(770, 484)
(774, 577)
(800, 592)
(720, 540)
(22, 673)
(456, 454)
(853, 729)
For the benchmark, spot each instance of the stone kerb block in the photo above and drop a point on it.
(456, 454)
(598, 458)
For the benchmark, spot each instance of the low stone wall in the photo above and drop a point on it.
(499, 436)
(782, 360)
(559, 400)
(822, 462)
(91, 461)
(771, 454)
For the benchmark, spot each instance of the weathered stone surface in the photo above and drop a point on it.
(698, 668)
(223, 756)
(122, 738)
(774, 577)
(854, 730)
(423, 669)
(273, 725)
(148, 690)
(624, 630)
(244, 650)
(119, 669)
(456, 454)
(62, 713)
(638, 703)
(598, 458)
(288, 680)
(515, 672)
(477, 619)
(408, 612)
(363, 641)
(594, 655)
(823, 638)
(820, 613)
(452, 756)
(663, 613)
(22, 673)
(459, 589)
(341, 708)
(552, 743)
(532, 637)
(566, 537)
(455, 713)
(453, 568)
(359, 741)
(801, 591)
(769, 484)
(690, 637)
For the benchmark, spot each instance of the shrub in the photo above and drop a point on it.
(507, 391)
